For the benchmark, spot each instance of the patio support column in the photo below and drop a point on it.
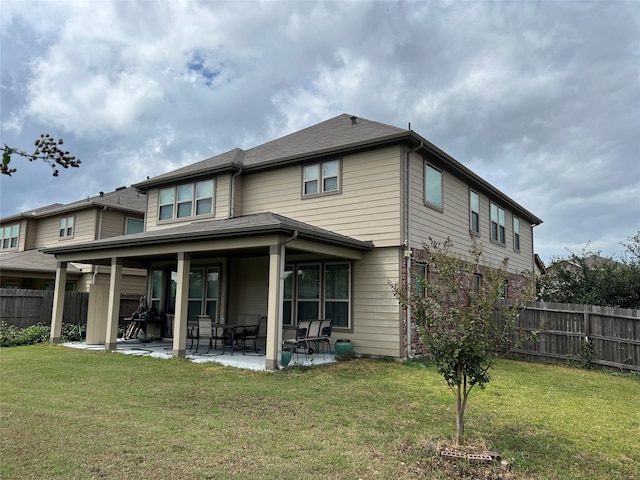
(113, 307)
(58, 302)
(274, 302)
(182, 306)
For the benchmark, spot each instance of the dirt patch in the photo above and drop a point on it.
(444, 460)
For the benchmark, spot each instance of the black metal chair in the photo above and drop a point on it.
(252, 333)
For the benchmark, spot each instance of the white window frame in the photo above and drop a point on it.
(430, 194)
(516, 234)
(321, 177)
(498, 230)
(66, 227)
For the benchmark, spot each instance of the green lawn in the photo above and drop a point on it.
(69, 413)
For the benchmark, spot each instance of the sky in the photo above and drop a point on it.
(541, 99)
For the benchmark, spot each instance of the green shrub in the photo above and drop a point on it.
(11, 336)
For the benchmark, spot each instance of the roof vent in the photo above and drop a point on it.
(121, 188)
(102, 194)
(354, 120)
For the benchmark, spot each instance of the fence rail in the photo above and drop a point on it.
(23, 308)
(588, 334)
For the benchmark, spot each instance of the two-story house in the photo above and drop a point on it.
(315, 224)
(24, 235)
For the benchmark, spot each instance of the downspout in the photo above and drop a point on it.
(232, 194)
(407, 246)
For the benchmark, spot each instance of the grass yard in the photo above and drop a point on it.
(69, 413)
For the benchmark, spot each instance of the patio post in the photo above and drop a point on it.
(58, 302)
(182, 305)
(274, 319)
(113, 307)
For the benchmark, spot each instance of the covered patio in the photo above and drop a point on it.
(164, 349)
(235, 266)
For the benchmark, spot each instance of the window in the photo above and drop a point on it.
(204, 287)
(68, 286)
(321, 178)
(9, 236)
(497, 224)
(474, 208)
(66, 227)
(477, 282)
(308, 298)
(516, 234)
(433, 186)
(156, 289)
(337, 285)
(287, 306)
(421, 279)
(317, 290)
(192, 199)
(134, 225)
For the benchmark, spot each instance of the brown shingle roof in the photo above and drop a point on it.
(32, 261)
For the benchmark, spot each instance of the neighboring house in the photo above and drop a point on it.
(24, 235)
(316, 224)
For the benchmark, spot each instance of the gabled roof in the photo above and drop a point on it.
(248, 225)
(337, 136)
(32, 261)
(126, 199)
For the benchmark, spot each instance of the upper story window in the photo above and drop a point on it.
(10, 236)
(497, 224)
(191, 199)
(433, 186)
(474, 209)
(66, 227)
(134, 225)
(321, 178)
(516, 233)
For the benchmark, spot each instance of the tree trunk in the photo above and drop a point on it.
(459, 416)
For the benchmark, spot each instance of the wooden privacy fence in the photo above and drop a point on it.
(587, 334)
(23, 308)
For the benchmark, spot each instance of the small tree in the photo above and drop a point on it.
(456, 316)
(47, 149)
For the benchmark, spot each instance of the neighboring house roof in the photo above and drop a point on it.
(126, 199)
(260, 223)
(31, 261)
(336, 136)
(540, 264)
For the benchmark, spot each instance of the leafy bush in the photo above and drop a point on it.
(11, 336)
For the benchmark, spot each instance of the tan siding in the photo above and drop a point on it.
(368, 208)
(453, 221)
(84, 229)
(376, 313)
(249, 287)
(112, 224)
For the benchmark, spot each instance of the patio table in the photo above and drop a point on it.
(232, 329)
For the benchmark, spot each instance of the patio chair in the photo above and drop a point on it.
(313, 335)
(192, 331)
(325, 334)
(300, 340)
(207, 331)
(252, 332)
